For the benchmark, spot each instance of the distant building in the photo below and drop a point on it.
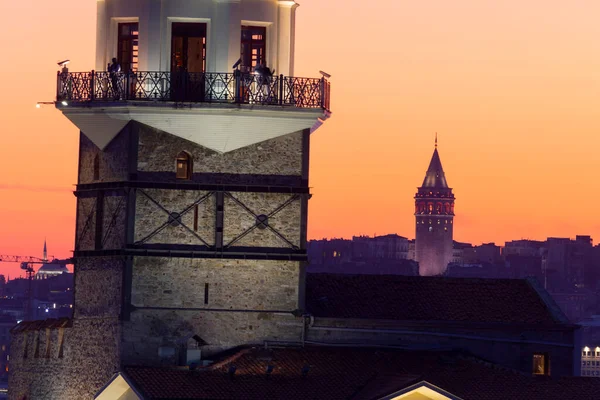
(522, 266)
(434, 212)
(489, 253)
(590, 361)
(565, 262)
(523, 247)
(463, 253)
(387, 254)
(389, 247)
(329, 251)
(50, 269)
(411, 250)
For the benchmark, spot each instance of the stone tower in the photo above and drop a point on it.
(192, 190)
(434, 212)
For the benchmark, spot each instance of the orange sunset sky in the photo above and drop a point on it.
(512, 87)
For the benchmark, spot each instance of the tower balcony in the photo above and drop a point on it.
(107, 89)
(220, 111)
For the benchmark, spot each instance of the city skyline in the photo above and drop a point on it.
(515, 107)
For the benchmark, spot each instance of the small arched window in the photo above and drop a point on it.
(96, 167)
(184, 166)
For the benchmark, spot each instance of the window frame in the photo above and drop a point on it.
(188, 161)
(133, 64)
(254, 28)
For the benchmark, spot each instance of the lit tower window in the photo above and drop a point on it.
(184, 166)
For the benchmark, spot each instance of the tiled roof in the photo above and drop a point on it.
(347, 373)
(417, 298)
(51, 323)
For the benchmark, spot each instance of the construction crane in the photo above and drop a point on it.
(27, 266)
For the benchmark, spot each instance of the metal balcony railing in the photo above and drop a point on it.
(186, 87)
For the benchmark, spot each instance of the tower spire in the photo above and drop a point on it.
(45, 256)
(435, 177)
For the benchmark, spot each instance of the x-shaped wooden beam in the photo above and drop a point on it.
(169, 220)
(88, 220)
(113, 219)
(275, 211)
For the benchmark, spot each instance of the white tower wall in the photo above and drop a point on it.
(224, 19)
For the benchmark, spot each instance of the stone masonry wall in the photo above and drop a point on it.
(85, 232)
(248, 301)
(114, 160)
(232, 284)
(150, 216)
(77, 363)
(148, 330)
(154, 206)
(280, 156)
(113, 224)
(286, 222)
(98, 282)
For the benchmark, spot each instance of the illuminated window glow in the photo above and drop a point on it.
(184, 166)
(540, 364)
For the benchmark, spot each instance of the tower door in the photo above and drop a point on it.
(188, 61)
(254, 45)
(128, 46)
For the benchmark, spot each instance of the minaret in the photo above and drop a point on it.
(434, 212)
(192, 192)
(45, 256)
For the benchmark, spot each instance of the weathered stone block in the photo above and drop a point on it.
(280, 156)
(232, 284)
(113, 161)
(98, 284)
(89, 358)
(150, 329)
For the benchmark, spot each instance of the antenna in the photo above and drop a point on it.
(436, 140)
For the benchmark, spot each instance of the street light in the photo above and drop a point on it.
(39, 103)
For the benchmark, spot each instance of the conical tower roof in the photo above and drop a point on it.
(435, 178)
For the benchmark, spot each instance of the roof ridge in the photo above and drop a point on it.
(229, 359)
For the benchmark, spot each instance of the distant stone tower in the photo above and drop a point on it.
(434, 212)
(192, 190)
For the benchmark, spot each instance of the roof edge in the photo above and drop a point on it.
(394, 323)
(123, 375)
(421, 384)
(549, 302)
